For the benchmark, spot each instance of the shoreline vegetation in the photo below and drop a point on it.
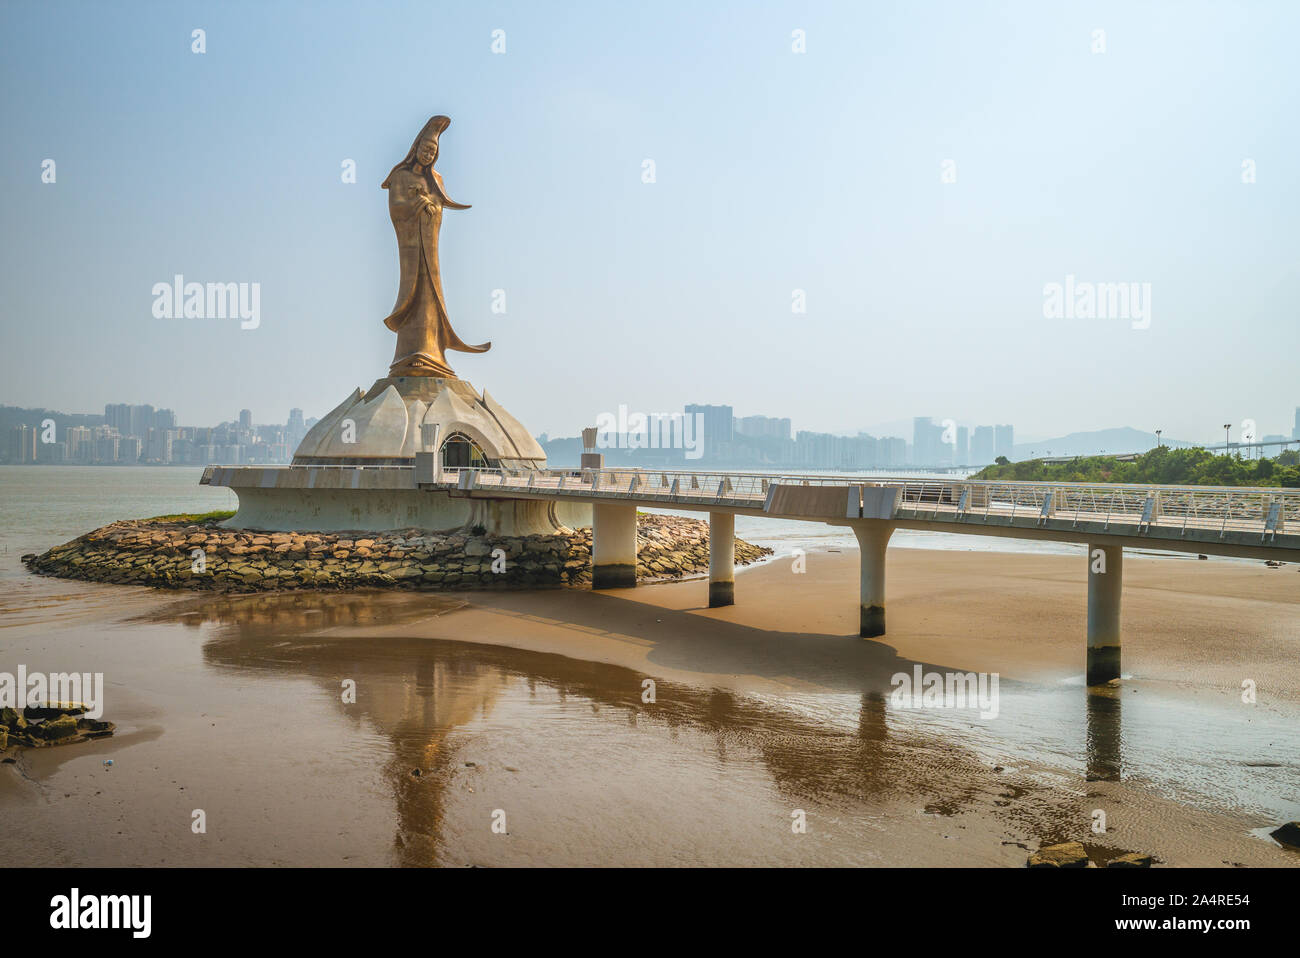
(1162, 466)
(191, 551)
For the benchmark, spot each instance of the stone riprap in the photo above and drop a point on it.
(162, 553)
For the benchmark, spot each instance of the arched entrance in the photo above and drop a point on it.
(461, 452)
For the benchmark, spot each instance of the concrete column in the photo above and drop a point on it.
(873, 538)
(613, 546)
(1105, 583)
(722, 559)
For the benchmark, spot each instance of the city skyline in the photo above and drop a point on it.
(142, 433)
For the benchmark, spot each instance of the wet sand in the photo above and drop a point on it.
(531, 704)
(1202, 625)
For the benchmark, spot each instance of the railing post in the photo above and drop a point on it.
(1274, 521)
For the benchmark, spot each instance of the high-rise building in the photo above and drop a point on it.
(129, 449)
(128, 420)
(141, 421)
(294, 430)
(818, 449)
(961, 455)
(763, 427)
(158, 448)
(117, 416)
(864, 452)
(927, 443)
(981, 446)
(22, 444)
(891, 451)
(51, 452)
(718, 422)
(78, 439)
(1295, 430)
(106, 448)
(1003, 441)
(245, 419)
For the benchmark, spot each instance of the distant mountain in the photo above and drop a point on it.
(1108, 441)
(11, 416)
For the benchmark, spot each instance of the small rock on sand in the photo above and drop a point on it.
(1288, 834)
(1130, 860)
(1064, 855)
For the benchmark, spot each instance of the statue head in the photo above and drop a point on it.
(425, 146)
(427, 150)
(424, 150)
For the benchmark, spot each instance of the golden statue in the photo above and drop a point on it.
(416, 198)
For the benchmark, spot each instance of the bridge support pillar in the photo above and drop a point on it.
(873, 538)
(722, 559)
(613, 546)
(1105, 584)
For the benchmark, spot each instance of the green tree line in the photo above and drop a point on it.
(1165, 466)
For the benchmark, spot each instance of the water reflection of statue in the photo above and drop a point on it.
(416, 198)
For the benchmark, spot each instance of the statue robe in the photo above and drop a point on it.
(420, 316)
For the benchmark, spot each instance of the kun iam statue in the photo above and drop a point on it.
(421, 416)
(416, 199)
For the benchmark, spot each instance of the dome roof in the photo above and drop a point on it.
(383, 426)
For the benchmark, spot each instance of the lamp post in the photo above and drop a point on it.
(1227, 429)
(1158, 432)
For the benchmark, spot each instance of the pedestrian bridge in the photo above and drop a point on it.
(1234, 521)
(1106, 518)
(1257, 523)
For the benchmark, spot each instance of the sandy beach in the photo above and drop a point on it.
(532, 704)
(1200, 625)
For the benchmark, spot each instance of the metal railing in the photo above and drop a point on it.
(1198, 509)
(1201, 508)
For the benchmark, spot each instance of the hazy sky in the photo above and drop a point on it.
(775, 171)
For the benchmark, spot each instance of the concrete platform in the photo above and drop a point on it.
(341, 498)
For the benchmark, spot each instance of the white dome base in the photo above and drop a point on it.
(383, 426)
(328, 488)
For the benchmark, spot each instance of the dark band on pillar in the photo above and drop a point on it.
(1103, 664)
(614, 576)
(873, 621)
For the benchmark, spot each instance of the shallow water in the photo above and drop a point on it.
(235, 705)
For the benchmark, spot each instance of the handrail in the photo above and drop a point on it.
(1210, 509)
(814, 478)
